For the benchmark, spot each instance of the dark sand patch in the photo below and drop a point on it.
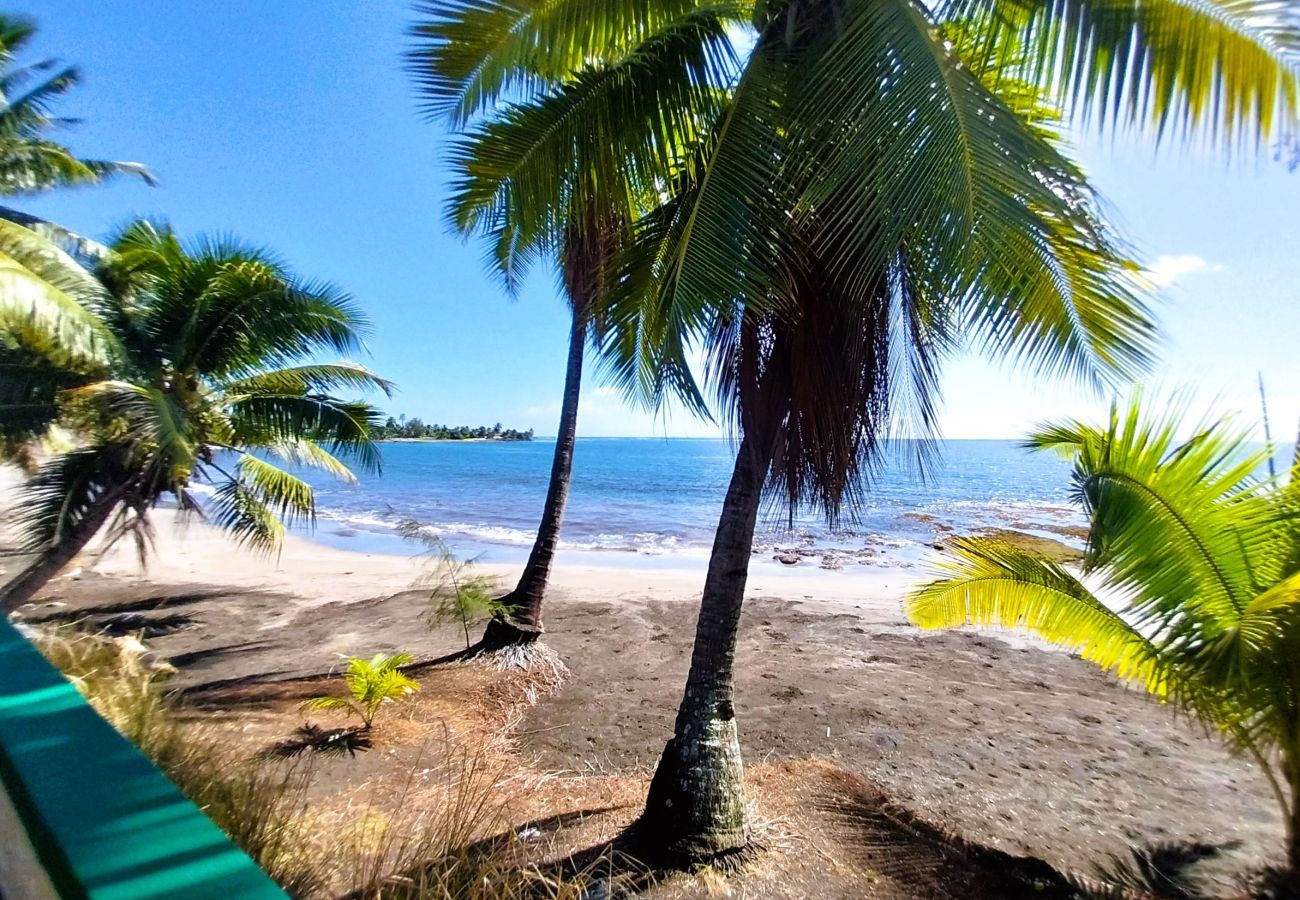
(1029, 751)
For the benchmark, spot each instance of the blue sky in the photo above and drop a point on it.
(291, 124)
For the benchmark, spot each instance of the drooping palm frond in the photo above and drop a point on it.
(990, 582)
(289, 497)
(1226, 70)
(238, 510)
(345, 427)
(49, 303)
(299, 451)
(65, 493)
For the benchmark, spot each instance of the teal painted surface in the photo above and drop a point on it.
(106, 823)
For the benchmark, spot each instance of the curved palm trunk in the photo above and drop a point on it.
(23, 587)
(525, 624)
(696, 806)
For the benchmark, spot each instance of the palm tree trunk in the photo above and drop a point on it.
(1293, 841)
(23, 587)
(524, 625)
(695, 810)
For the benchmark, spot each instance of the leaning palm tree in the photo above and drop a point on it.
(30, 161)
(880, 184)
(170, 365)
(543, 178)
(1190, 585)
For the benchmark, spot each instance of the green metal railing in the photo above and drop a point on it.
(87, 815)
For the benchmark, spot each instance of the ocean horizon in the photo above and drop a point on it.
(654, 502)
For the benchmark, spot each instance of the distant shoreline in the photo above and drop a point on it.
(454, 441)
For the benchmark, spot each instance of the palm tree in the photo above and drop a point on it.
(167, 365)
(542, 177)
(881, 182)
(1192, 581)
(29, 161)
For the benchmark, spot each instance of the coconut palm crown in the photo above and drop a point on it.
(1190, 585)
(170, 364)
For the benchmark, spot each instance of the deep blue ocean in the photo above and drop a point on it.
(657, 500)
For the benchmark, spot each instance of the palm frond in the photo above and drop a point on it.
(48, 303)
(299, 451)
(597, 141)
(1179, 520)
(1225, 70)
(265, 420)
(289, 498)
(990, 582)
(468, 55)
(312, 378)
(237, 509)
(65, 493)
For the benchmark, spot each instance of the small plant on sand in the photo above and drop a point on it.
(371, 683)
(457, 594)
(1190, 585)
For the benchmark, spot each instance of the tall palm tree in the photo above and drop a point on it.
(30, 161)
(1200, 562)
(881, 183)
(541, 175)
(167, 365)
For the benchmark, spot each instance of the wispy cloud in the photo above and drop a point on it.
(1168, 270)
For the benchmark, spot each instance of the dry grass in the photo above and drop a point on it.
(449, 837)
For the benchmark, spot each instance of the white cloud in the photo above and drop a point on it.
(1167, 270)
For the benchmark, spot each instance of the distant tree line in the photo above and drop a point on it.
(402, 427)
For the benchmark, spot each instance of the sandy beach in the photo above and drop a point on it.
(994, 737)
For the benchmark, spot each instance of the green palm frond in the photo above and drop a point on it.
(237, 509)
(1182, 520)
(264, 420)
(1185, 534)
(29, 161)
(371, 683)
(311, 378)
(290, 498)
(1227, 70)
(299, 451)
(468, 55)
(990, 582)
(48, 303)
(600, 139)
(342, 704)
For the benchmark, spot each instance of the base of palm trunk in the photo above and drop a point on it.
(508, 644)
(695, 811)
(506, 631)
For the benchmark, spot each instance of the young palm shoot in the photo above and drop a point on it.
(371, 683)
(1192, 580)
